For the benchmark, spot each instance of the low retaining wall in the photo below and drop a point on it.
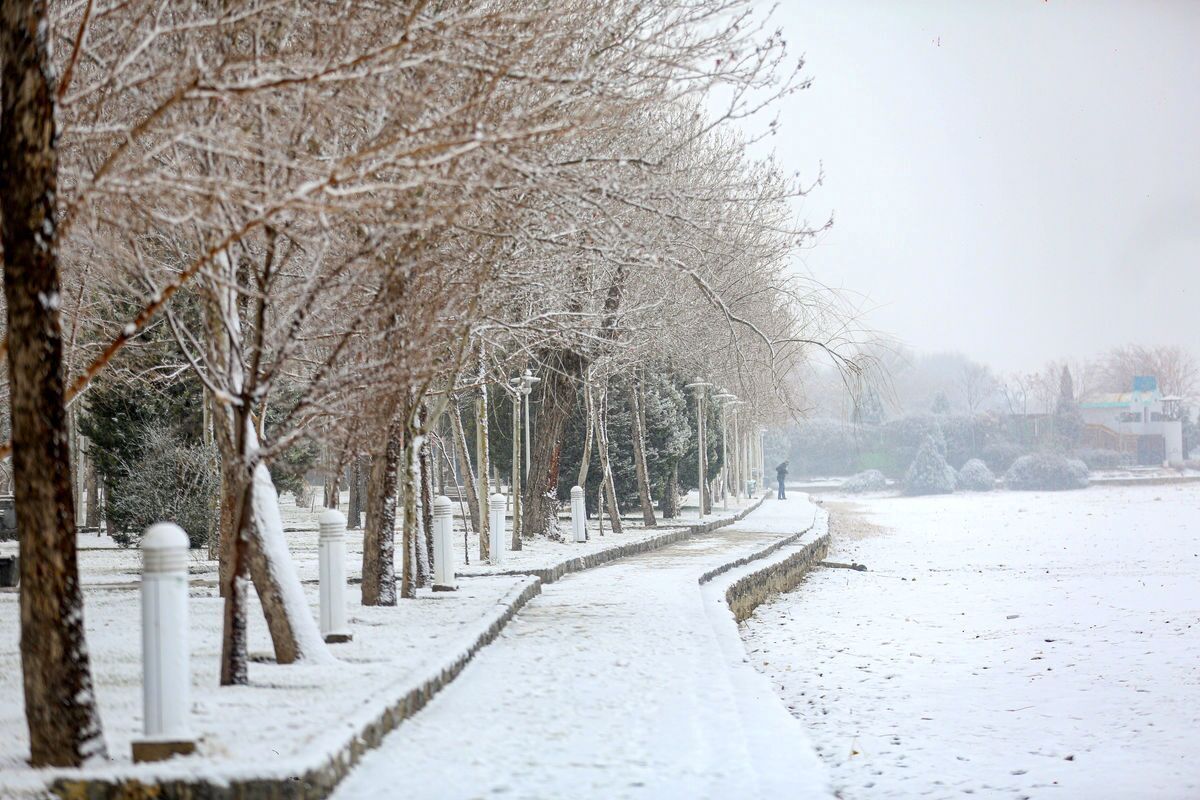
(755, 589)
(322, 778)
(551, 574)
(782, 574)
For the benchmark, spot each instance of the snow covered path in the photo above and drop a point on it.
(615, 682)
(1011, 644)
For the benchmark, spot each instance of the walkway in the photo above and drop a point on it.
(615, 682)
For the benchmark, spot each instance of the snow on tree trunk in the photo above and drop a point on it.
(589, 428)
(60, 706)
(425, 546)
(540, 516)
(294, 630)
(379, 537)
(408, 570)
(639, 456)
(354, 506)
(481, 450)
(464, 456)
(606, 476)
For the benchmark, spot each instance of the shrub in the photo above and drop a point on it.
(999, 456)
(976, 477)
(171, 482)
(929, 473)
(870, 481)
(1048, 471)
(1100, 459)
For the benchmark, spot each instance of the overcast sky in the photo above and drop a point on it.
(1017, 179)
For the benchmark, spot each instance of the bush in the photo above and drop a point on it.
(929, 473)
(1048, 471)
(870, 481)
(976, 477)
(999, 456)
(1100, 459)
(171, 482)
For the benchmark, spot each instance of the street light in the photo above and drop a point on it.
(698, 386)
(515, 391)
(527, 382)
(726, 399)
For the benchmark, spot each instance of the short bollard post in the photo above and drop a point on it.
(443, 545)
(166, 673)
(331, 552)
(496, 529)
(578, 514)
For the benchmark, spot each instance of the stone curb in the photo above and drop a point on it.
(749, 591)
(320, 781)
(601, 557)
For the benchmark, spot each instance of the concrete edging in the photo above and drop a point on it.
(601, 557)
(783, 574)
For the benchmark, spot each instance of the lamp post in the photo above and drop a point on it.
(516, 462)
(726, 399)
(738, 476)
(527, 382)
(698, 386)
(762, 456)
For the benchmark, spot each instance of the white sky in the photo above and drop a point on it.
(1015, 179)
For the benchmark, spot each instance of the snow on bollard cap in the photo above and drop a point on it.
(576, 491)
(332, 524)
(498, 500)
(442, 506)
(164, 549)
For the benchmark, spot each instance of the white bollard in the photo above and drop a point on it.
(496, 529)
(443, 545)
(331, 551)
(578, 514)
(166, 673)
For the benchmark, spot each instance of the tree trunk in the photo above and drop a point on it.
(60, 705)
(586, 460)
(257, 548)
(540, 515)
(606, 478)
(408, 570)
(516, 474)
(639, 456)
(669, 500)
(425, 466)
(481, 452)
(379, 538)
(464, 457)
(92, 486)
(354, 505)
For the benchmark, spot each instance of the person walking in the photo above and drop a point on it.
(781, 478)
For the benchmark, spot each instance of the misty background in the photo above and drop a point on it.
(1015, 181)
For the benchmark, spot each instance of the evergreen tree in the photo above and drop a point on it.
(941, 404)
(868, 409)
(1068, 420)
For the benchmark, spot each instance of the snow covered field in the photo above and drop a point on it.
(1012, 644)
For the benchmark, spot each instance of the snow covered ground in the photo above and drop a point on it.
(288, 712)
(612, 683)
(1011, 644)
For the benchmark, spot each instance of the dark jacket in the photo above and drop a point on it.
(781, 472)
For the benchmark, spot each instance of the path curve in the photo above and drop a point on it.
(616, 683)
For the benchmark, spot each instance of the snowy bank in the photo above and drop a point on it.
(1002, 644)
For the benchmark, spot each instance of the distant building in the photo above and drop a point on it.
(1141, 423)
